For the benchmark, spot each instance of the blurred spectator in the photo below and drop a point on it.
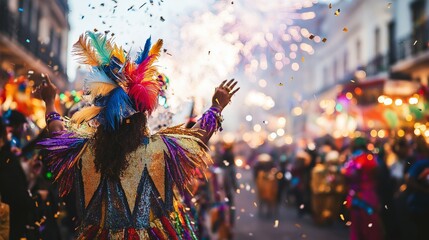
(264, 173)
(13, 181)
(225, 161)
(327, 184)
(361, 175)
(300, 183)
(418, 184)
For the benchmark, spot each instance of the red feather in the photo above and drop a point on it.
(144, 95)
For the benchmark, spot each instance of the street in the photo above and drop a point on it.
(289, 226)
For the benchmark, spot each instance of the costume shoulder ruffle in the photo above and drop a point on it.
(185, 154)
(65, 148)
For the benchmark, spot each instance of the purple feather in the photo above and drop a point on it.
(64, 151)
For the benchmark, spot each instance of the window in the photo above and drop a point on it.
(358, 53)
(335, 71)
(377, 42)
(346, 63)
(325, 75)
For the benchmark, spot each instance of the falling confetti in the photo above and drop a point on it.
(265, 122)
(20, 9)
(345, 29)
(162, 19)
(302, 59)
(348, 223)
(415, 42)
(142, 5)
(330, 5)
(280, 84)
(27, 40)
(209, 52)
(130, 8)
(311, 37)
(370, 225)
(337, 13)
(342, 217)
(324, 40)
(301, 206)
(254, 203)
(389, 5)
(276, 223)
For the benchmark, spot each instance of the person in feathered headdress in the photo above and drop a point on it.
(124, 176)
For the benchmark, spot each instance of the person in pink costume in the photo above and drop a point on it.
(362, 200)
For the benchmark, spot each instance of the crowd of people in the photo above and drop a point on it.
(379, 188)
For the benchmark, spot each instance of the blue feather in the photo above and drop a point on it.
(100, 44)
(143, 55)
(117, 106)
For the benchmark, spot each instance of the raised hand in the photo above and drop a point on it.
(48, 91)
(224, 93)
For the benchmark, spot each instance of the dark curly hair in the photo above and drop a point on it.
(111, 148)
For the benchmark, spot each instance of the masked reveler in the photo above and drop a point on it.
(128, 180)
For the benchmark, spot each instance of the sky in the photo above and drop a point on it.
(205, 41)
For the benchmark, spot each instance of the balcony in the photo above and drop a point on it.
(413, 44)
(21, 34)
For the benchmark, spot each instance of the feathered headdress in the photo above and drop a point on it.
(117, 86)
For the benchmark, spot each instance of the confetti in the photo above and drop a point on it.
(142, 5)
(342, 217)
(301, 206)
(370, 225)
(265, 122)
(130, 8)
(20, 9)
(345, 29)
(348, 223)
(102, 4)
(337, 13)
(276, 223)
(311, 37)
(297, 225)
(27, 40)
(389, 5)
(209, 52)
(415, 42)
(385, 206)
(302, 59)
(250, 234)
(280, 84)
(254, 203)
(330, 6)
(162, 19)
(324, 40)
(82, 17)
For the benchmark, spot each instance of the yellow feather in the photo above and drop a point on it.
(99, 88)
(156, 51)
(84, 52)
(85, 114)
(118, 53)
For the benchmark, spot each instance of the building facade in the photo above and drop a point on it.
(33, 37)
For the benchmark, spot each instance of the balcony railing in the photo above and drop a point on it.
(14, 29)
(413, 44)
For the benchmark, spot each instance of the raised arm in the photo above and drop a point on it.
(212, 118)
(53, 119)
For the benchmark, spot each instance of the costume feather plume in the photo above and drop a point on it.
(64, 150)
(186, 153)
(84, 52)
(144, 95)
(86, 114)
(118, 106)
(143, 54)
(119, 53)
(98, 83)
(101, 45)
